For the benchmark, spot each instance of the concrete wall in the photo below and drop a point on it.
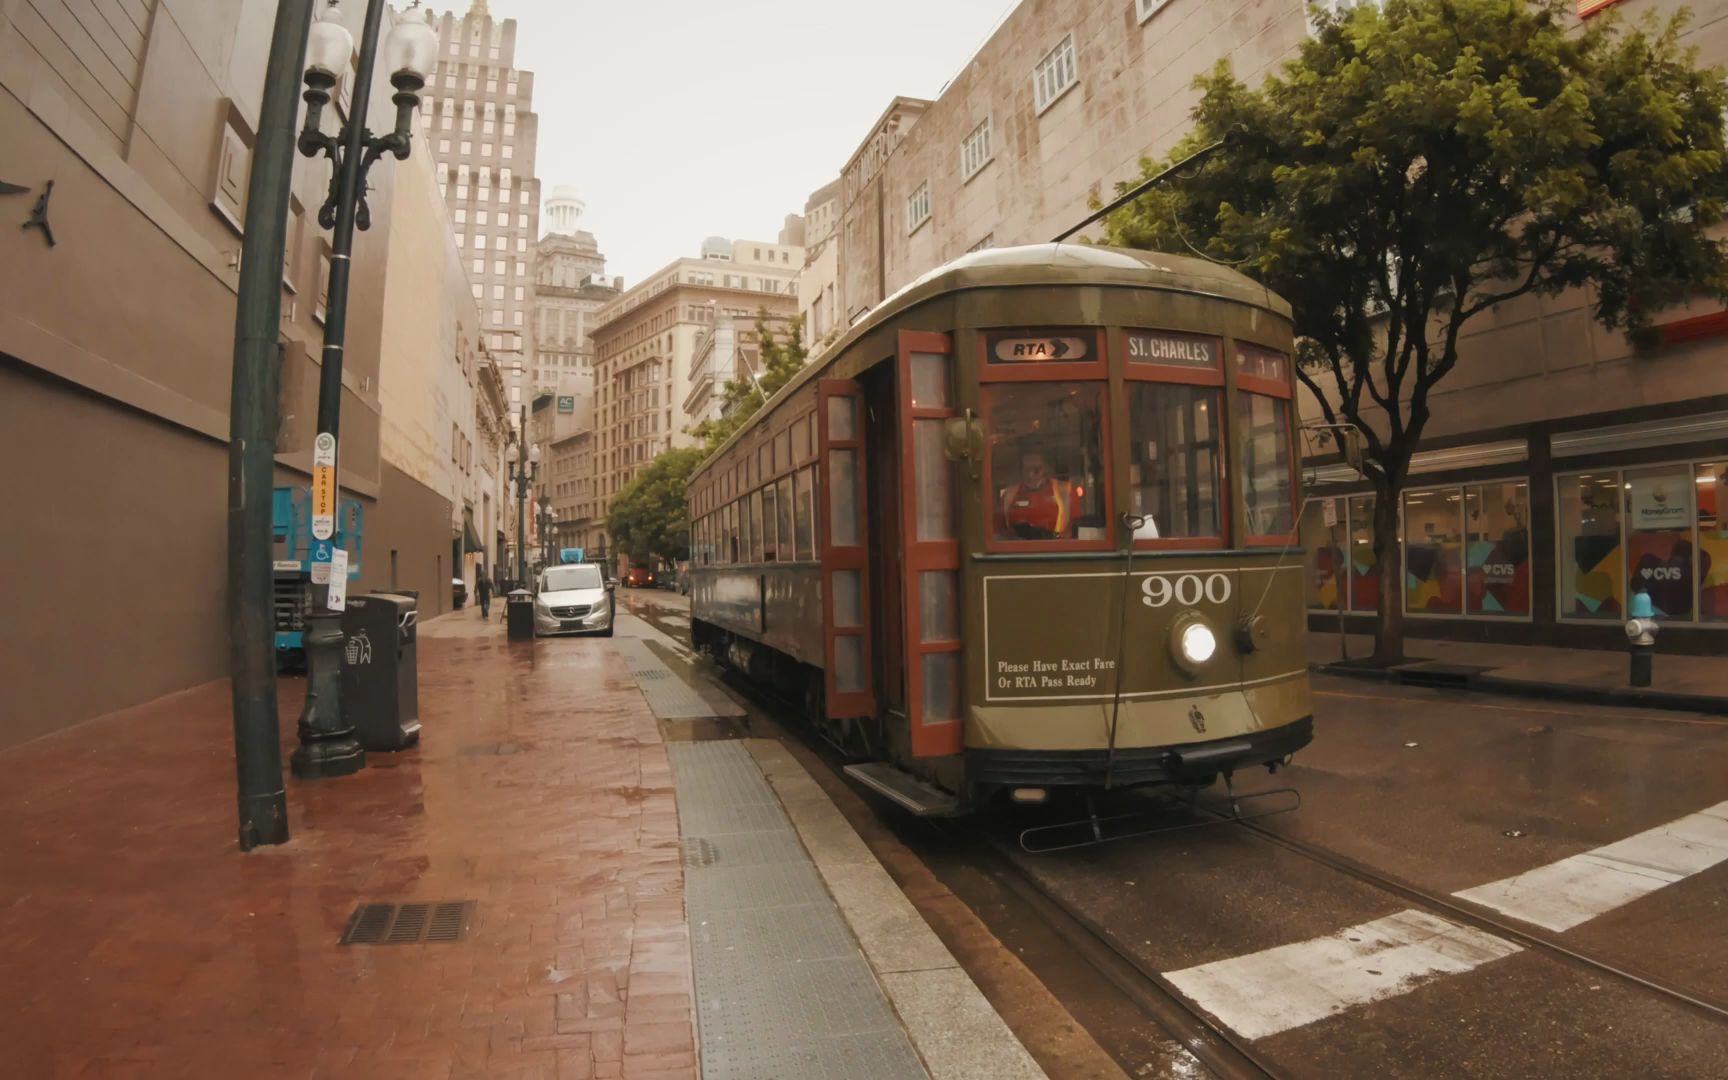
(114, 552)
(416, 531)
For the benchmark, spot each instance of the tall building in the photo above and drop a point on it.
(645, 345)
(482, 124)
(819, 282)
(570, 285)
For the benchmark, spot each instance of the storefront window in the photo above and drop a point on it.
(1592, 581)
(1659, 520)
(1325, 547)
(1711, 483)
(1263, 433)
(1047, 461)
(1174, 462)
(1497, 548)
(1433, 555)
(1364, 567)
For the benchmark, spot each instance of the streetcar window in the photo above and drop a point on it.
(805, 512)
(1047, 460)
(1263, 434)
(1175, 460)
(756, 526)
(770, 532)
(783, 515)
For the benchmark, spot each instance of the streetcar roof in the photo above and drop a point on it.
(1036, 264)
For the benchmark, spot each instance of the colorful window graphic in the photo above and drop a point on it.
(1592, 574)
(1497, 548)
(1659, 522)
(1711, 485)
(1325, 546)
(1433, 552)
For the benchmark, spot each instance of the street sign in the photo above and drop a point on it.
(338, 566)
(324, 486)
(1033, 350)
(287, 566)
(323, 551)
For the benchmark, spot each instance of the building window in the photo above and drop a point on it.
(481, 217)
(1055, 74)
(918, 207)
(1148, 8)
(443, 146)
(975, 152)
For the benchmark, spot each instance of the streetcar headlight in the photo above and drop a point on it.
(1198, 643)
(1192, 643)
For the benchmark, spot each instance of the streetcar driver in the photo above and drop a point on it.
(1039, 507)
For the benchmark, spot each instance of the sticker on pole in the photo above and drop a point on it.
(323, 553)
(324, 486)
(338, 593)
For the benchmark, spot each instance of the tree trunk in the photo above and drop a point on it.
(1389, 630)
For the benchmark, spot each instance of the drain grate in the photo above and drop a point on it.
(408, 924)
(699, 852)
(657, 673)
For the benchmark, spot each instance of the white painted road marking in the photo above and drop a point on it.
(1277, 989)
(1563, 894)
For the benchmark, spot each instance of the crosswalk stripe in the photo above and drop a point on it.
(1288, 986)
(1563, 894)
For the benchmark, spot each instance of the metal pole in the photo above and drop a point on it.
(252, 438)
(327, 745)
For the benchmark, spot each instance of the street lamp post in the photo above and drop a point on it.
(263, 803)
(327, 745)
(522, 474)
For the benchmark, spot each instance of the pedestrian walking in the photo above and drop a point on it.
(483, 586)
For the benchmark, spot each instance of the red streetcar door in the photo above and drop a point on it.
(849, 678)
(929, 544)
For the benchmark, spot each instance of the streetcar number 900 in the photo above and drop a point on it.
(1186, 589)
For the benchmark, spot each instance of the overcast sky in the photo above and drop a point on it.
(684, 119)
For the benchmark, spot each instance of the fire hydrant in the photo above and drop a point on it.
(1641, 635)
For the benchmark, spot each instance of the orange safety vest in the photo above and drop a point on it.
(1045, 507)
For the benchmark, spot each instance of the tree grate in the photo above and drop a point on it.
(408, 924)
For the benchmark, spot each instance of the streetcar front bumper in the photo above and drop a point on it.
(1180, 764)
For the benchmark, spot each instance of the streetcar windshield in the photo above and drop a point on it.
(1047, 459)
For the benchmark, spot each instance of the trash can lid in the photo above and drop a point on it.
(524, 593)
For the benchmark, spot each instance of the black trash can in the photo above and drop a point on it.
(519, 615)
(380, 670)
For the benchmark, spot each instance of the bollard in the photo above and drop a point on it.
(1641, 636)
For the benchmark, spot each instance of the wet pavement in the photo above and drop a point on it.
(1445, 792)
(136, 941)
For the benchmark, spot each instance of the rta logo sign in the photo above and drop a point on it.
(1663, 573)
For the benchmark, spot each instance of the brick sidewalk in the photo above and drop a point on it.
(135, 939)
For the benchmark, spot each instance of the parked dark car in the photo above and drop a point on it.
(458, 593)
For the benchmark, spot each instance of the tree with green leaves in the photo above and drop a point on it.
(648, 517)
(1420, 163)
(777, 361)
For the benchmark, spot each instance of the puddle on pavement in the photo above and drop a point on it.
(706, 729)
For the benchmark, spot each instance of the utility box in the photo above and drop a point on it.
(519, 616)
(380, 670)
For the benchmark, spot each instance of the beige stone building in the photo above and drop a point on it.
(481, 122)
(819, 282)
(143, 116)
(645, 346)
(1562, 468)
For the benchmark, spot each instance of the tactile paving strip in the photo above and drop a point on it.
(782, 990)
(670, 697)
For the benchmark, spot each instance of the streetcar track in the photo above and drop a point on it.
(1214, 1045)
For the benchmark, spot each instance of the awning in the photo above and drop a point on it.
(470, 538)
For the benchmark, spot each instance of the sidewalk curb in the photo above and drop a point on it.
(954, 1028)
(1624, 697)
